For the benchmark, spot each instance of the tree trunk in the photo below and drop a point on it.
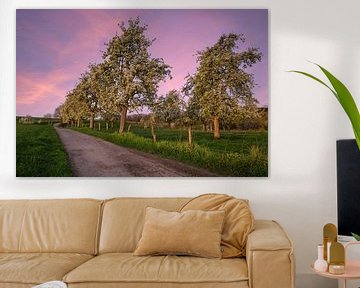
(153, 133)
(190, 135)
(107, 126)
(216, 127)
(78, 123)
(204, 127)
(99, 126)
(92, 116)
(123, 119)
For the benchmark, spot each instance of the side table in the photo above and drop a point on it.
(352, 268)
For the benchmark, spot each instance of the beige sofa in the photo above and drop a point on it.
(89, 243)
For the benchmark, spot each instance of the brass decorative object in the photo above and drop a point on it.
(337, 253)
(330, 236)
(337, 258)
(336, 269)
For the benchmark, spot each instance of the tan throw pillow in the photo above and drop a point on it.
(196, 233)
(239, 220)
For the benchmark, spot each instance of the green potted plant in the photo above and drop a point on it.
(346, 100)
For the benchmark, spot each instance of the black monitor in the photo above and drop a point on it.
(348, 187)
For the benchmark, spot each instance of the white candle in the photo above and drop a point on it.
(328, 252)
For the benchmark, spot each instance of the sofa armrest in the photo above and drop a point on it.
(269, 256)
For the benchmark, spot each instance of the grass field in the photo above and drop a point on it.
(39, 152)
(236, 142)
(230, 141)
(241, 154)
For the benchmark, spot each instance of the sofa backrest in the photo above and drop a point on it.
(67, 226)
(123, 220)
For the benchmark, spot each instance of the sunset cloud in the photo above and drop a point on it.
(40, 92)
(55, 46)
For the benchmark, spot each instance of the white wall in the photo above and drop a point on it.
(305, 120)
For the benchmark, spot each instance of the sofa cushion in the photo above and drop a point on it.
(238, 223)
(123, 220)
(63, 226)
(193, 232)
(36, 268)
(126, 268)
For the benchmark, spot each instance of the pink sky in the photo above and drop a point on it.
(55, 46)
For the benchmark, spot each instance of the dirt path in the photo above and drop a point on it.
(94, 157)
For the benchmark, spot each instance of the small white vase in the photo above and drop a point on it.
(320, 264)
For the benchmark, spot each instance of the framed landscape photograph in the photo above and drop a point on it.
(142, 93)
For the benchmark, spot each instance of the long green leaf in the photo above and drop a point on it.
(316, 79)
(347, 101)
(357, 237)
(344, 97)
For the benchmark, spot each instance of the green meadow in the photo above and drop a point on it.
(39, 152)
